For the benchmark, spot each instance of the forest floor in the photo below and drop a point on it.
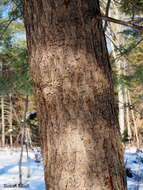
(134, 163)
(9, 169)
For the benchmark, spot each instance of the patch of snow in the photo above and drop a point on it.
(9, 170)
(134, 161)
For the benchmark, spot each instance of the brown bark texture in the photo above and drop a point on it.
(75, 99)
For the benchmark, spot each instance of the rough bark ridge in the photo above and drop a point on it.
(72, 82)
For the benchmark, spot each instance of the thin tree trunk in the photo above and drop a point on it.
(134, 122)
(121, 101)
(23, 129)
(27, 152)
(121, 97)
(119, 67)
(19, 123)
(75, 99)
(29, 137)
(3, 121)
(10, 120)
(120, 63)
(127, 114)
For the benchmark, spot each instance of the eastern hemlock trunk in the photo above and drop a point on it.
(75, 99)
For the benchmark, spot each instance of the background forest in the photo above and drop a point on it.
(17, 101)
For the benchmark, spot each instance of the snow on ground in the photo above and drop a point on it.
(134, 161)
(9, 170)
(9, 159)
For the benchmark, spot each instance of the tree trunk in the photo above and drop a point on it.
(23, 138)
(134, 122)
(75, 99)
(127, 112)
(2, 122)
(10, 120)
(120, 62)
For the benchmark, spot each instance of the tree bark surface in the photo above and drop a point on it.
(75, 98)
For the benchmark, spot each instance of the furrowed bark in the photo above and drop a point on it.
(75, 98)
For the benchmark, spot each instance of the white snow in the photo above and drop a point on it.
(9, 169)
(134, 161)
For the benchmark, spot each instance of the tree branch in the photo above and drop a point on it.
(6, 27)
(135, 45)
(10, 20)
(124, 23)
(106, 13)
(132, 107)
